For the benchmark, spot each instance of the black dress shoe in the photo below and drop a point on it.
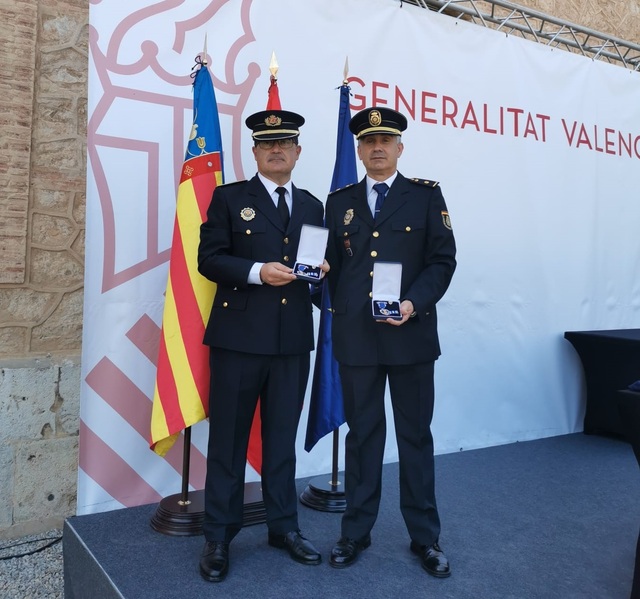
(433, 560)
(299, 548)
(346, 550)
(214, 561)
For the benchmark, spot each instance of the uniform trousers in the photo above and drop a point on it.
(412, 398)
(237, 381)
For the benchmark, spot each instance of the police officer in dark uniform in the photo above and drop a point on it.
(389, 218)
(260, 332)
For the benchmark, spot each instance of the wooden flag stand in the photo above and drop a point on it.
(326, 495)
(182, 514)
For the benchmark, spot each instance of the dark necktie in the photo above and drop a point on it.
(381, 189)
(282, 206)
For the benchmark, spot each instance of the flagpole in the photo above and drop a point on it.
(186, 459)
(322, 494)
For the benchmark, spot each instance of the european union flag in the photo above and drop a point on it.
(326, 412)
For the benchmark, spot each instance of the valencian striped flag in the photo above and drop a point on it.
(326, 412)
(181, 396)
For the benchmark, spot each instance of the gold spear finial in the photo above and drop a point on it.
(346, 71)
(273, 65)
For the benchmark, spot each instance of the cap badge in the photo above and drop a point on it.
(375, 118)
(446, 221)
(348, 216)
(247, 214)
(273, 121)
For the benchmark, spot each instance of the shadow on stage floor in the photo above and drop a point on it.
(545, 519)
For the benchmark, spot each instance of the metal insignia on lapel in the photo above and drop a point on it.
(445, 219)
(348, 216)
(247, 214)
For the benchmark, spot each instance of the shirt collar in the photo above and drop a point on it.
(371, 182)
(271, 186)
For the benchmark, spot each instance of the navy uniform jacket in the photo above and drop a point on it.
(413, 228)
(242, 227)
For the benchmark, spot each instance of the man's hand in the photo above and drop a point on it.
(324, 267)
(406, 309)
(276, 274)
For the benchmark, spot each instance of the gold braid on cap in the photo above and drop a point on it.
(389, 130)
(272, 131)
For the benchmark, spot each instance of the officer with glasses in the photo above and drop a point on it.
(260, 334)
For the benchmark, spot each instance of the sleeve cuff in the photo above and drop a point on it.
(254, 274)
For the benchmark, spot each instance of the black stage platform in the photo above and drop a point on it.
(546, 519)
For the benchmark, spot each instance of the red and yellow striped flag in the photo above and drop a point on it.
(181, 396)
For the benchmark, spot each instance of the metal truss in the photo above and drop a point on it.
(544, 29)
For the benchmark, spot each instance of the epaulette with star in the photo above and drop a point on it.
(341, 188)
(426, 182)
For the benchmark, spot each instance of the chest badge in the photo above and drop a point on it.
(348, 216)
(247, 214)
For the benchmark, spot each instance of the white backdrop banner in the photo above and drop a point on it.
(538, 155)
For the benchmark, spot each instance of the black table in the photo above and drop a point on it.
(611, 361)
(629, 407)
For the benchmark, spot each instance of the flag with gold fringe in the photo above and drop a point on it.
(181, 396)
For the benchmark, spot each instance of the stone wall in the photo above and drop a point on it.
(43, 109)
(618, 18)
(39, 420)
(43, 90)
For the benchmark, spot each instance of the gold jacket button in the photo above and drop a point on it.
(407, 229)
(376, 234)
(248, 231)
(225, 304)
(286, 258)
(370, 293)
(284, 301)
(286, 240)
(374, 254)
